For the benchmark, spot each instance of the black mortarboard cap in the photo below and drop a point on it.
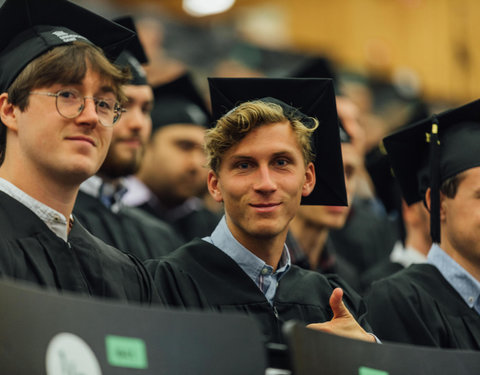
(30, 28)
(315, 67)
(179, 102)
(134, 54)
(320, 67)
(430, 151)
(308, 98)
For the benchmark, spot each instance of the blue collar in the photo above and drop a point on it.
(252, 265)
(464, 283)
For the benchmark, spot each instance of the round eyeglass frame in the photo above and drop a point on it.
(117, 108)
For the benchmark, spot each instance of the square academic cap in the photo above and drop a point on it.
(30, 28)
(134, 54)
(179, 102)
(430, 151)
(315, 67)
(312, 98)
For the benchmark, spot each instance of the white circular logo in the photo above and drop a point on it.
(68, 354)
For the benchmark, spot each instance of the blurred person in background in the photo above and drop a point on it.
(98, 206)
(173, 175)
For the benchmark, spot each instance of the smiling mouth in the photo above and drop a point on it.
(82, 139)
(265, 207)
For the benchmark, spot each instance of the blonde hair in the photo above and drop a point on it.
(236, 124)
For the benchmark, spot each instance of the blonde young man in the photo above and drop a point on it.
(261, 167)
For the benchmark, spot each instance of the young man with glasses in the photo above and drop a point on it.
(60, 98)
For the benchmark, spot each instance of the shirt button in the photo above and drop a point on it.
(470, 299)
(264, 271)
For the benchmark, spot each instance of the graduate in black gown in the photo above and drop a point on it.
(99, 205)
(60, 97)
(437, 303)
(309, 243)
(261, 163)
(172, 177)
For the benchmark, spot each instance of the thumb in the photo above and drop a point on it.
(338, 307)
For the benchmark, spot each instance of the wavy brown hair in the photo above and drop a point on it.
(66, 64)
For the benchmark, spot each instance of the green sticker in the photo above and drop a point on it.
(126, 352)
(370, 371)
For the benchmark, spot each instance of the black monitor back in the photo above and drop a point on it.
(40, 328)
(314, 352)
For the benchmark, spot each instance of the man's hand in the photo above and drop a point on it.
(343, 323)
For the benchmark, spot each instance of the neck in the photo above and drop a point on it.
(418, 241)
(60, 197)
(311, 238)
(467, 260)
(268, 249)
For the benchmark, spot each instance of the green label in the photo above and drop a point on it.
(126, 352)
(370, 371)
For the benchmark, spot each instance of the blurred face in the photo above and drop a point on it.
(334, 217)
(174, 164)
(460, 222)
(130, 134)
(62, 149)
(261, 181)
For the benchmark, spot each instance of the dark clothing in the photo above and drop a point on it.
(30, 251)
(367, 236)
(199, 275)
(196, 223)
(130, 230)
(418, 306)
(330, 261)
(379, 271)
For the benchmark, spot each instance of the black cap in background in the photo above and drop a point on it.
(29, 28)
(179, 102)
(430, 151)
(312, 98)
(134, 54)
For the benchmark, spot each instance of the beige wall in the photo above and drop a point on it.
(437, 39)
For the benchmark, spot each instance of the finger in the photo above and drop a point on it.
(338, 307)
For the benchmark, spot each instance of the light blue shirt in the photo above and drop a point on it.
(261, 273)
(54, 220)
(464, 283)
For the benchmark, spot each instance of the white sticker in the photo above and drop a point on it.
(68, 354)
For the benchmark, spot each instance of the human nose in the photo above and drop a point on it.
(136, 119)
(265, 181)
(88, 114)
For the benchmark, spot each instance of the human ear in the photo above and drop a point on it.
(213, 188)
(310, 179)
(7, 112)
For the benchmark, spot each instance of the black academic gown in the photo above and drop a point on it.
(366, 238)
(31, 252)
(418, 306)
(197, 223)
(130, 230)
(199, 275)
(379, 271)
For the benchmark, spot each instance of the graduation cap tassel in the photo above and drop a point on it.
(435, 182)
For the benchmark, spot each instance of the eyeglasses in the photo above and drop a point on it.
(70, 103)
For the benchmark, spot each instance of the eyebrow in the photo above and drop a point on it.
(105, 89)
(274, 155)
